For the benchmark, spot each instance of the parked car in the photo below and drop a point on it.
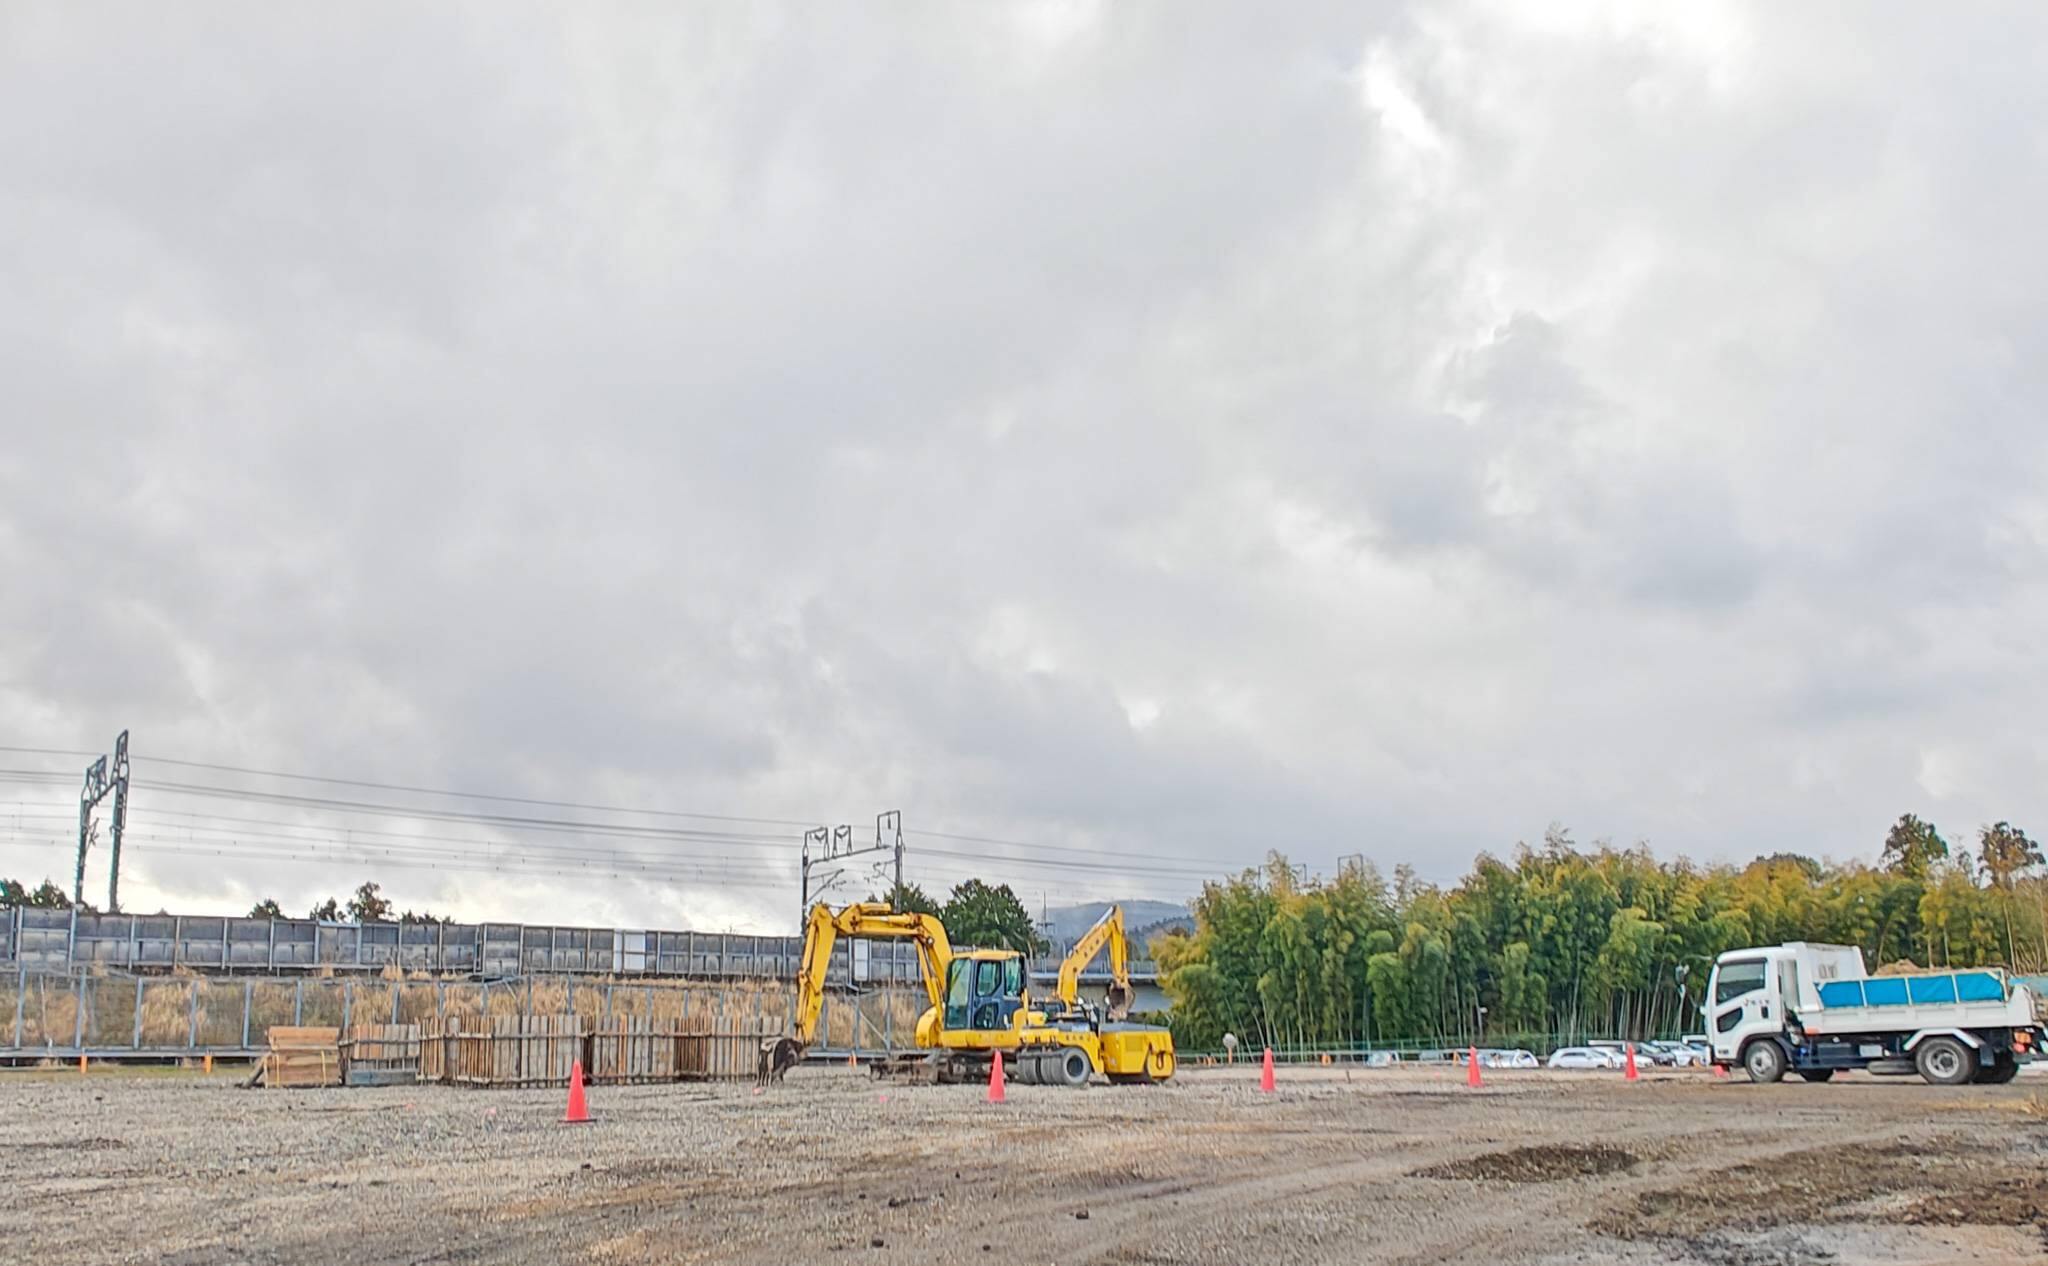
(1509, 1059)
(1583, 1057)
(1682, 1056)
(1646, 1052)
(1381, 1059)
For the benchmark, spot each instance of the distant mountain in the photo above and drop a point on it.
(1142, 919)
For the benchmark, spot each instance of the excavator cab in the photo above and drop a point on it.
(984, 991)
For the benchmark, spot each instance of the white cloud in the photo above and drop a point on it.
(1178, 432)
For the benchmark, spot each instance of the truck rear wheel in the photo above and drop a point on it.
(1764, 1061)
(1943, 1061)
(2004, 1070)
(1074, 1066)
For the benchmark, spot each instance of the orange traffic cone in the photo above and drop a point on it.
(852, 1059)
(579, 1111)
(1266, 1074)
(1472, 1068)
(1721, 1071)
(1629, 1066)
(995, 1079)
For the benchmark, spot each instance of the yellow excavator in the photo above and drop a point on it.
(981, 1003)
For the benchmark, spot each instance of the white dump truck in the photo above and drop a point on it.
(1814, 1010)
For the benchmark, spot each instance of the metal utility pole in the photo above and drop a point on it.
(97, 784)
(822, 836)
(834, 845)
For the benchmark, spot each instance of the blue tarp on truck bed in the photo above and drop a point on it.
(1934, 989)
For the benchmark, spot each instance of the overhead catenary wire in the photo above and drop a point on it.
(144, 759)
(1136, 867)
(392, 843)
(450, 815)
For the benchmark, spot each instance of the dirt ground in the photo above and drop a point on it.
(1376, 1166)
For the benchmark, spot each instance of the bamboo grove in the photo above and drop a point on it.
(1561, 943)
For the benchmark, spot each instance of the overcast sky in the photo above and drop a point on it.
(1161, 432)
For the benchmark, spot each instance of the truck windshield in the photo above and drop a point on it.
(1732, 980)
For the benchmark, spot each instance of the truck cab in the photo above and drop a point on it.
(1814, 1010)
(1755, 992)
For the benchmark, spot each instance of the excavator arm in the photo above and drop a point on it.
(822, 930)
(1108, 932)
(871, 919)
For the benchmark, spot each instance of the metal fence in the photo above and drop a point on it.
(58, 1015)
(37, 939)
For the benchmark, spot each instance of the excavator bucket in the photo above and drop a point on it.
(778, 1056)
(1118, 999)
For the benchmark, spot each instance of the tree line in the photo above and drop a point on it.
(981, 915)
(368, 905)
(974, 913)
(1564, 943)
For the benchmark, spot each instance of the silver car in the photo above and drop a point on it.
(1583, 1057)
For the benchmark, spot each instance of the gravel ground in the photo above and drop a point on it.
(1376, 1166)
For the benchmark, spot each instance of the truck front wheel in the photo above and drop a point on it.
(1943, 1061)
(1764, 1062)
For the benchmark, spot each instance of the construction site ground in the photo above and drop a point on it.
(1383, 1165)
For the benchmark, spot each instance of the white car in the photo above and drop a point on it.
(1647, 1053)
(1682, 1056)
(1583, 1057)
(1509, 1059)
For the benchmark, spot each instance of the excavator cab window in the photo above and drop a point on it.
(983, 993)
(959, 993)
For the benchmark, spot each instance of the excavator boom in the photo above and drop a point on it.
(822, 930)
(1108, 932)
(871, 919)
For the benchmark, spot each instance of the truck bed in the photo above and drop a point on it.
(1975, 999)
(1930, 989)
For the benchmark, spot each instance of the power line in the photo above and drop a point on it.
(705, 838)
(1175, 866)
(285, 847)
(1043, 848)
(387, 841)
(623, 830)
(435, 864)
(469, 795)
(452, 815)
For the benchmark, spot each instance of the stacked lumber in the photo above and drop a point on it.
(302, 1055)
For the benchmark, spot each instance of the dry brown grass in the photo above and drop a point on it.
(184, 1008)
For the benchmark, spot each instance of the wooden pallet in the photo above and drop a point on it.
(301, 1056)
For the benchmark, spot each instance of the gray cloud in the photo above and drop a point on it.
(1121, 428)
